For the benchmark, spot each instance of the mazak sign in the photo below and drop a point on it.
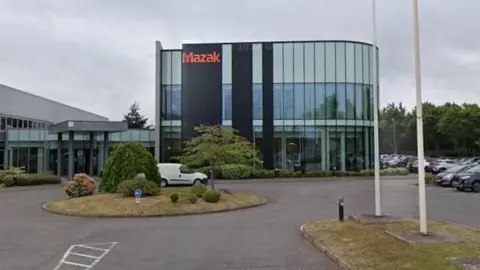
(200, 58)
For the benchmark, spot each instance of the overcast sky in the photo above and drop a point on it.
(99, 54)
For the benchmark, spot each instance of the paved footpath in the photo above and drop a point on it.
(266, 237)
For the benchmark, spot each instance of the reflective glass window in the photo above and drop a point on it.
(350, 101)
(3, 122)
(177, 67)
(366, 64)
(166, 67)
(309, 52)
(320, 101)
(298, 56)
(164, 101)
(168, 102)
(277, 101)
(358, 63)
(227, 102)
(366, 101)
(309, 101)
(340, 75)
(257, 63)
(288, 62)
(341, 100)
(288, 101)
(358, 101)
(330, 61)
(320, 62)
(176, 102)
(330, 101)
(277, 63)
(257, 102)
(299, 99)
(227, 64)
(350, 62)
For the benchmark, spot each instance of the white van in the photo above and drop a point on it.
(179, 174)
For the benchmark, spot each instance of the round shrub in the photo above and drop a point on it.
(174, 197)
(192, 197)
(81, 185)
(126, 161)
(9, 180)
(211, 196)
(127, 188)
(198, 189)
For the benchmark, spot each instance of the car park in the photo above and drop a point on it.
(468, 180)
(445, 178)
(179, 174)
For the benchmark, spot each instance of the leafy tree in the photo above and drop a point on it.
(449, 129)
(134, 118)
(216, 146)
(126, 161)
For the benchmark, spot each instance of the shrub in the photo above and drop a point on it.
(174, 197)
(192, 197)
(262, 173)
(284, 173)
(127, 188)
(236, 171)
(126, 161)
(81, 185)
(15, 171)
(211, 196)
(9, 180)
(217, 171)
(37, 179)
(198, 189)
(428, 178)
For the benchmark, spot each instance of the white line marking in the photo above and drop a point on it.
(77, 264)
(63, 260)
(84, 255)
(101, 249)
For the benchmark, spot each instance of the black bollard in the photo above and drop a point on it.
(340, 209)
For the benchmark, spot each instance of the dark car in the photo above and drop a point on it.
(445, 178)
(468, 180)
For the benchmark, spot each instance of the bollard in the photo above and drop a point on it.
(340, 209)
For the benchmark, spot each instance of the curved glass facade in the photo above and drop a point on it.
(322, 101)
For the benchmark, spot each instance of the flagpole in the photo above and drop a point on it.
(420, 150)
(376, 147)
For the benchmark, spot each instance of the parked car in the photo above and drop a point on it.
(179, 174)
(445, 178)
(441, 167)
(468, 180)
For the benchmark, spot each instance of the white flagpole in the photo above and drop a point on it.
(420, 151)
(376, 147)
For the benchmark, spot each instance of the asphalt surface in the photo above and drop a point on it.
(265, 237)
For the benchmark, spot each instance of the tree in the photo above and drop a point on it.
(449, 129)
(126, 161)
(216, 146)
(134, 119)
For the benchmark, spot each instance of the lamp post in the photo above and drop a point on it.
(420, 151)
(376, 147)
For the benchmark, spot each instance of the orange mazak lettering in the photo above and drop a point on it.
(190, 57)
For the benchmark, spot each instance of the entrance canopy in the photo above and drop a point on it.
(88, 126)
(91, 127)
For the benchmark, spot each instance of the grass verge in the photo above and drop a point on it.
(115, 205)
(359, 246)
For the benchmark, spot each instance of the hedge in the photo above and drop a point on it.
(30, 179)
(240, 171)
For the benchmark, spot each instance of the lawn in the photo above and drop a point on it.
(369, 247)
(115, 205)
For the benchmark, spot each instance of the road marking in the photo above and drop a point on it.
(95, 259)
(84, 255)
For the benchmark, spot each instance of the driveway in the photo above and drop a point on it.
(260, 238)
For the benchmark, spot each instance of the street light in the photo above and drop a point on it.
(420, 151)
(376, 147)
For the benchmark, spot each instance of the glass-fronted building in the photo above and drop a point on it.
(304, 104)
(43, 135)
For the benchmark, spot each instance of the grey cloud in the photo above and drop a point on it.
(98, 55)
